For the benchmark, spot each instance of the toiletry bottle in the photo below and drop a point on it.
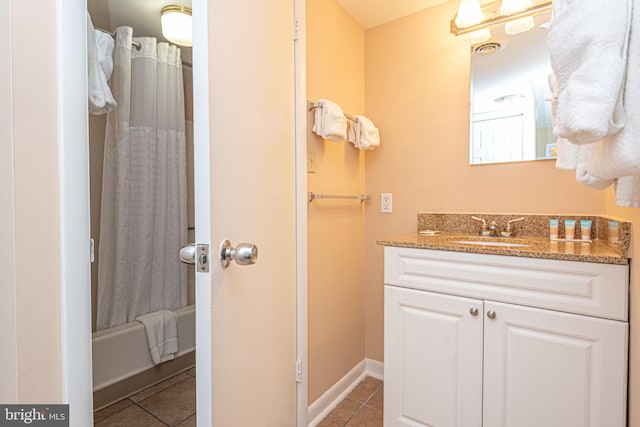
(569, 229)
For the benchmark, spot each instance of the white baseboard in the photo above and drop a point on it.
(374, 369)
(319, 409)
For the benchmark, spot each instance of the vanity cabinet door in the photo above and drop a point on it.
(433, 359)
(547, 368)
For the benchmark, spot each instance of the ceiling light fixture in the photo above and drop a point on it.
(176, 25)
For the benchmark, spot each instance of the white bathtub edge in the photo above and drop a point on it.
(109, 367)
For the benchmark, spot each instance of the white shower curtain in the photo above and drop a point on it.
(144, 204)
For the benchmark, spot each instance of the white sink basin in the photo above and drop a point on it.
(492, 243)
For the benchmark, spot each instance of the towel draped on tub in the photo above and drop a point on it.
(162, 334)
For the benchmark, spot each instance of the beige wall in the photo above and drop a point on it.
(335, 70)
(33, 276)
(417, 92)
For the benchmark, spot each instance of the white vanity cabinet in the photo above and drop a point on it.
(490, 340)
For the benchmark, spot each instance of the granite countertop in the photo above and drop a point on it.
(537, 247)
(531, 238)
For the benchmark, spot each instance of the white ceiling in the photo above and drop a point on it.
(144, 15)
(370, 13)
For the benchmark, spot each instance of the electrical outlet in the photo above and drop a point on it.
(311, 162)
(386, 202)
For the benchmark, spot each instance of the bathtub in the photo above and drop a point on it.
(122, 352)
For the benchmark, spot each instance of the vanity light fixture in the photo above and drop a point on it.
(517, 15)
(509, 7)
(470, 14)
(176, 25)
(480, 36)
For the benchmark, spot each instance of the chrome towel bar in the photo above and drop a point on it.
(312, 196)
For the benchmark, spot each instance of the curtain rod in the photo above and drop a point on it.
(135, 44)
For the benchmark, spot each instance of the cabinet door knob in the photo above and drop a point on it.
(491, 314)
(473, 311)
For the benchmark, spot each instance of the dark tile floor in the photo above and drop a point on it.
(361, 408)
(169, 403)
(173, 403)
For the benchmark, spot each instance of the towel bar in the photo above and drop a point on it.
(312, 106)
(312, 196)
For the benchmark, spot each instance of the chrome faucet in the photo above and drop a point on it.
(493, 230)
(485, 229)
(508, 232)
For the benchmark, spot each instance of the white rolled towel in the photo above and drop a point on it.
(330, 122)
(364, 134)
(99, 66)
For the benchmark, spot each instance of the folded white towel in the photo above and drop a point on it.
(330, 122)
(588, 48)
(364, 134)
(162, 334)
(100, 65)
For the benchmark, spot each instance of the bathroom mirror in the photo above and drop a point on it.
(510, 117)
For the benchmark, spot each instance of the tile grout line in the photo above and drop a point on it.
(152, 414)
(362, 405)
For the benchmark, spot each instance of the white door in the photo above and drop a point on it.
(250, 310)
(546, 368)
(432, 359)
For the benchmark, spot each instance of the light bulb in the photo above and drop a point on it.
(469, 13)
(509, 7)
(479, 36)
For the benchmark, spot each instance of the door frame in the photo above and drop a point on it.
(75, 234)
(300, 65)
(73, 162)
(202, 209)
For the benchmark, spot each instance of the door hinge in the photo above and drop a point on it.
(298, 371)
(296, 29)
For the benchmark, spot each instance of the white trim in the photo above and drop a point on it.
(8, 332)
(300, 59)
(319, 409)
(73, 164)
(374, 369)
(202, 196)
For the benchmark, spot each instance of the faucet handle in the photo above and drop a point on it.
(485, 227)
(509, 230)
(514, 220)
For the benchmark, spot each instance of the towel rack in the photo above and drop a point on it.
(313, 105)
(312, 196)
